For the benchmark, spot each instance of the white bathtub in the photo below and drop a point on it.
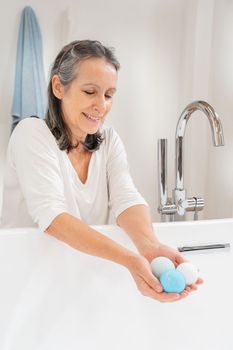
(55, 298)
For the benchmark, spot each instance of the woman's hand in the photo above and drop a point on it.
(147, 283)
(172, 254)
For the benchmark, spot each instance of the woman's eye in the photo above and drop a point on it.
(93, 92)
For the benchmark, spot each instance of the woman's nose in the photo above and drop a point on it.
(100, 105)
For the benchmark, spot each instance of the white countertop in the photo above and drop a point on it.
(53, 297)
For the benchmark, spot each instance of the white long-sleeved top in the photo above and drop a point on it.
(41, 183)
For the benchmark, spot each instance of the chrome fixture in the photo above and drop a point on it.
(179, 204)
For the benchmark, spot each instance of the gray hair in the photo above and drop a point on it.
(65, 66)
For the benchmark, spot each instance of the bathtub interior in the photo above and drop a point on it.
(54, 297)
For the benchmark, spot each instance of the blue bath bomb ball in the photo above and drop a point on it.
(172, 281)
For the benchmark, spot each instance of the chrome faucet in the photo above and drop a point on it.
(179, 204)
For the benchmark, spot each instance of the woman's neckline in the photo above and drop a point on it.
(77, 177)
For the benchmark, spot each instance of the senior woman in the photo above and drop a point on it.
(68, 171)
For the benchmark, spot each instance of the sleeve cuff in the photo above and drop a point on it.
(127, 205)
(48, 216)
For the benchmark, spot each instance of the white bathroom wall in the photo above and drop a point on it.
(195, 85)
(209, 169)
(160, 46)
(219, 176)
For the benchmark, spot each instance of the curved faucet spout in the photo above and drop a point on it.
(217, 133)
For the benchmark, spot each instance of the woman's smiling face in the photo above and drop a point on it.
(86, 101)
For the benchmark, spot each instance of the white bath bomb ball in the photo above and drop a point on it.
(161, 264)
(189, 271)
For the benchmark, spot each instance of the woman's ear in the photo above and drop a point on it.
(57, 86)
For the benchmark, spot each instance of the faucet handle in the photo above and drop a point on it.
(192, 204)
(188, 204)
(199, 206)
(200, 203)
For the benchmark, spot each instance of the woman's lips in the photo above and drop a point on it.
(91, 117)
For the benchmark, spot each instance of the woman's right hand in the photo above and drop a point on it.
(147, 283)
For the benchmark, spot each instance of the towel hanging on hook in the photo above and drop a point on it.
(30, 86)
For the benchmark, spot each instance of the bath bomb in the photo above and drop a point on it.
(189, 271)
(172, 281)
(160, 265)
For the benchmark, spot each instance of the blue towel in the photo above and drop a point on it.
(30, 87)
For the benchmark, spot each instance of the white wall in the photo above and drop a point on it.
(160, 50)
(195, 85)
(219, 179)
(209, 169)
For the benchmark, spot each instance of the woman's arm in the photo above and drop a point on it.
(136, 221)
(82, 237)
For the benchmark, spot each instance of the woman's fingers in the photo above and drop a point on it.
(148, 291)
(188, 288)
(179, 259)
(194, 286)
(167, 297)
(200, 281)
(149, 288)
(154, 283)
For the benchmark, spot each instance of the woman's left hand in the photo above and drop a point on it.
(175, 256)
